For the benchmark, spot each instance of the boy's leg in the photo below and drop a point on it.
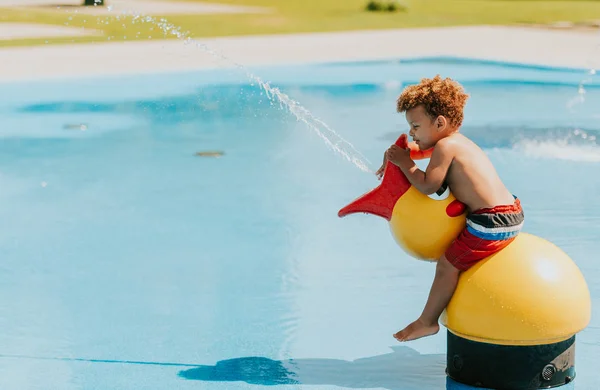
(444, 284)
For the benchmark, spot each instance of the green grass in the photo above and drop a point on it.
(291, 16)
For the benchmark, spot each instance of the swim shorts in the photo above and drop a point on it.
(488, 231)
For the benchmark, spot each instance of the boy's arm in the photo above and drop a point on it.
(432, 179)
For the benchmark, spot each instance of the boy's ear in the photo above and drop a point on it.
(441, 122)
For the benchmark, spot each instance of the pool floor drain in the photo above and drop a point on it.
(210, 153)
(76, 126)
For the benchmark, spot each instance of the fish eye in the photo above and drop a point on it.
(441, 194)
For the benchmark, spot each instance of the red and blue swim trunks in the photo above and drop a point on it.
(488, 231)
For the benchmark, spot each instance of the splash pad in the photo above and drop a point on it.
(512, 321)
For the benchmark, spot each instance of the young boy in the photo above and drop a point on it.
(434, 111)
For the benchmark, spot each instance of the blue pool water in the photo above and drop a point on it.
(128, 262)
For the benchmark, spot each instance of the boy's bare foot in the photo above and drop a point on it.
(416, 330)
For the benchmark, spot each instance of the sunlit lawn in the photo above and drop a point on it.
(289, 16)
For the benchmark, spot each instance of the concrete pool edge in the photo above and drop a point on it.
(517, 45)
(339, 73)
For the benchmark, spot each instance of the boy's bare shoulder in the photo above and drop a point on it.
(451, 143)
(457, 141)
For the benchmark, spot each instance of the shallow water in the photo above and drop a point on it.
(130, 262)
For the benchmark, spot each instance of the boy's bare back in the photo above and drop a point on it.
(471, 175)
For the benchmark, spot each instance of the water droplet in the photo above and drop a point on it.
(43, 184)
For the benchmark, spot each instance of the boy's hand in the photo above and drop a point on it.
(397, 155)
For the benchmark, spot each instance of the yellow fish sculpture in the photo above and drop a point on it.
(513, 318)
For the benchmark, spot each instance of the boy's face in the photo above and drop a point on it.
(423, 130)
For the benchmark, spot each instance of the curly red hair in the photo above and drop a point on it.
(439, 97)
